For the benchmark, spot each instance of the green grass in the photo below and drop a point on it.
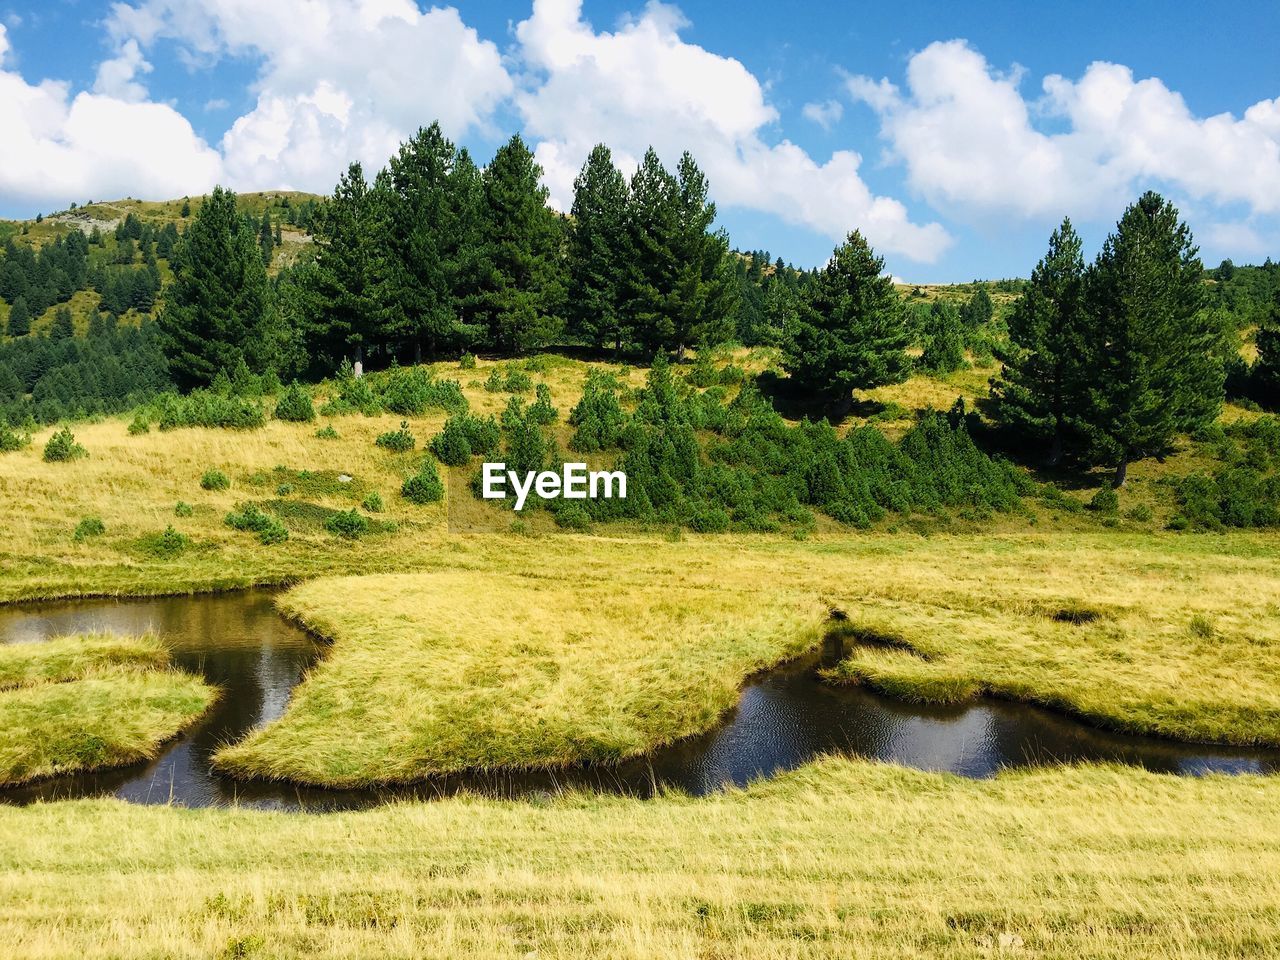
(439, 672)
(88, 703)
(556, 650)
(71, 658)
(839, 859)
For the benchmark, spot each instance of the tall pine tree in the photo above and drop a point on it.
(19, 318)
(341, 286)
(653, 225)
(597, 252)
(219, 310)
(851, 331)
(521, 277)
(1040, 388)
(1154, 354)
(1266, 369)
(429, 229)
(705, 294)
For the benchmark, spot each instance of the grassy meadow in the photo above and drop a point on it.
(88, 703)
(841, 858)
(456, 648)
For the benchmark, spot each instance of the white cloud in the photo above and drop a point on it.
(216, 104)
(340, 79)
(642, 84)
(826, 114)
(57, 147)
(117, 76)
(971, 142)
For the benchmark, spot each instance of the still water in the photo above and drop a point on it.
(785, 718)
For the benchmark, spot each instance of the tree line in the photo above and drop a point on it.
(436, 256)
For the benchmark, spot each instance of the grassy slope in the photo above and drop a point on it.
(838, 859)
(455, 670)
(133, 483)
(88, 703)
(106, 214)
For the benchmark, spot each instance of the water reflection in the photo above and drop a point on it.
(784, 718)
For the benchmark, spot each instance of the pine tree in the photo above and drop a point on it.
(1266, 369)
(653, 223)
(978, 309)
(851, 332)
(219, 309)
(427, 227)
(943, 339)
(1155, 356)
(340, 288)
(705, 294)
(1039, 388)
(597, 252)
(522, 276)
(19, 318)
(265, 242)
(63, 328)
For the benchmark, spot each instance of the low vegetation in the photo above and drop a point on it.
(841, 858)
(553, 672)
(87, 703)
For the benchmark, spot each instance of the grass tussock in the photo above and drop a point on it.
(838, 859)
(88, 703)
(424, 677)
(71, 658)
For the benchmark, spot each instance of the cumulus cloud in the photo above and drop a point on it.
(117, 76)
(971, 142)
(339, 79)
(825, 114)
(57, 146)
(642, 84)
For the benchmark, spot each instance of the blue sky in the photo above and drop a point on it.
(955, 135)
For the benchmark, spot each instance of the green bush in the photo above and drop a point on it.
(451, 445)
(214, 480)
(483, 434)
(139, 425)
(62, 447)
(1106, 500)
(295, 405)
(572, 516)
(354, 395)
(327, 432)
(89, 527)
(1236, 496)
(348, 524)
(508, 381)
(413, 392)
(11, 438)
(169, 543)
(182, 509)
(424, 486)
(249, 518)
(284, 489)
(1141, 513)
(206, 408)
(467, 362)
(543, 411)
(373, 502)
(399, 441)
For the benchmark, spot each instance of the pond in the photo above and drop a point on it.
(785, 718)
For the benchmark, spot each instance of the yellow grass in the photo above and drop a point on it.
(447, 671)
(87, 703)
(838, 859)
